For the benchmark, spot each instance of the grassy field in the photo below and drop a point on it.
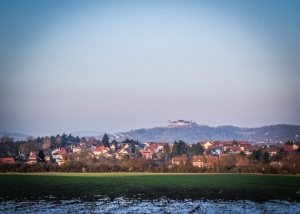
(57, 186)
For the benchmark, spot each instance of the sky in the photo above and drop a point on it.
(113, 66)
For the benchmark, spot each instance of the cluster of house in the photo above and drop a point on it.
(91, 151)
(54, 156)
(213, 151)
(147, 150)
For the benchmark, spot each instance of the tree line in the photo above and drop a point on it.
(228, 164)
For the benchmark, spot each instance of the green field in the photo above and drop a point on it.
(57, 186)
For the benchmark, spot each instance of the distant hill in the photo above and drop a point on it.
(20, 136)
(195, 133)
(15, 136)
(206, 133)
(88, 134)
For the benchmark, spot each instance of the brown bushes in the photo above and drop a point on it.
(127, 164)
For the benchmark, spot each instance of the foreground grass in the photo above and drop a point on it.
(149, 186)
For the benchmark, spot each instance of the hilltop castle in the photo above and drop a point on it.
(180, 123)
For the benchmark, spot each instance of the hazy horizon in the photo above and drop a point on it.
(100, 133)
(113, 66)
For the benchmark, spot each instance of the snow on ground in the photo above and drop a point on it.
(123, 205)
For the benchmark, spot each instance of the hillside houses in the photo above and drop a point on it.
(215, 150)
(206, 145)
(122, 152)
(152, 148)
(227, 147)
(100, 150)
(288, 148)
(58, 155)
(204, 155)
(148, 154)
(155, 147)
(235, 153)
(32, 157)
(151, 151)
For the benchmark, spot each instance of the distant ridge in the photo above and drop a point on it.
(15, 136)
(195, 133)
(20, 136)
(87, 133)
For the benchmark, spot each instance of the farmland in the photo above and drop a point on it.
(139, 186)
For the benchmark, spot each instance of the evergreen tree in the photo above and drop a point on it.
(138, 154)
(260, 156)
(105, 140)
(77, 139)
(181, 148)
(39, 140)
(265, 158)
(53, 142)
(58, 140)
(256, 155)
(175, 149)
(127, 141)
(115, 143)
(70, 138)
(191, 150)
(199, 149)
(64, 140)
(40, 157)
(133, 147)
(167, 151)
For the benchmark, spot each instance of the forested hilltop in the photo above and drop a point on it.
(197, 133)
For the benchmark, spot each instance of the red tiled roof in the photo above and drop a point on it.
(288, 148)
(146, 153)
(100, 148)
(154, 145)
(150, 148)
(228, 144)
(242, 142)
(7, 160)
(235, 148)
(218, 143)
(60, 151)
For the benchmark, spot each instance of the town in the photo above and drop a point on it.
(67, 153)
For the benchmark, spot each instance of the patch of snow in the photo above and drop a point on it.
(123, 205)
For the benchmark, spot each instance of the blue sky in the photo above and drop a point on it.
(120, 65)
